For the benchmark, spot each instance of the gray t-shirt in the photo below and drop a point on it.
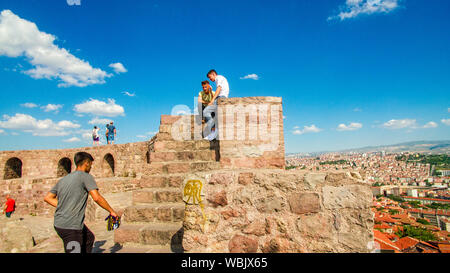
(72, 192)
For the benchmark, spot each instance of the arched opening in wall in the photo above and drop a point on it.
(147, 157)
(13, 168)
(64, 167)
(108, 165)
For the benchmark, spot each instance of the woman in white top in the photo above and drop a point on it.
(95, 136)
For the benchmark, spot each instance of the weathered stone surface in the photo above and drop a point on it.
(218, 199)
(276, 245)
(243, 244)
(245, 178)
(315, 179)
(15, 237)
(257, 228)
(348, 196)
(316, 226)
(301, 203)
(222, 178)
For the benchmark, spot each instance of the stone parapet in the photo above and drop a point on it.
(252, 210)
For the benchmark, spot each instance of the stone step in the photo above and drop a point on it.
(157, 195)
(181, 146)
(154, 212)
(161, 181)
(138, 248)
(157, 234)
(159, 168)
(169, 156)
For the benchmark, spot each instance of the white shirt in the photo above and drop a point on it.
(222, 82)
(95, 132)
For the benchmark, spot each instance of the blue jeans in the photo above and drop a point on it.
(207, 113)
(8, 214)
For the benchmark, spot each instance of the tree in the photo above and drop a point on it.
(418, 233)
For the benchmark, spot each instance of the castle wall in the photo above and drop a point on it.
(127, 160)
(277, 211)
(40, 171)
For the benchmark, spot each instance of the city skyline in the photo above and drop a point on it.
(351, 73)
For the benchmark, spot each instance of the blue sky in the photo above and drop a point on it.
(351, 73)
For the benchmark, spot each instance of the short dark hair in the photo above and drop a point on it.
(80, 157)
(205, 82)
(211, 71)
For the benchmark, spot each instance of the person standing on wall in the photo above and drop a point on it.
(69, 196)
(95, 136)
(10, 206)
(222, 91)
(111, 132)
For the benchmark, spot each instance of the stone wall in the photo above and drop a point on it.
(277, 211)
(29, 193)
(116, 169)
(251, 132)
(127, 161)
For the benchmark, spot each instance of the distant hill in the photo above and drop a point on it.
(429, 147)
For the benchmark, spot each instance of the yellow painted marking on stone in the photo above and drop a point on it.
(192, 190)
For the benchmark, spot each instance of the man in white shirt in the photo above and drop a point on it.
(222, 91)
(222, 88)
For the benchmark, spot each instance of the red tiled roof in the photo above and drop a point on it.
(444, 248)
(406, 242)
(384, 242)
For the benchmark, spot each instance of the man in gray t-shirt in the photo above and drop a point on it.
(69, 196)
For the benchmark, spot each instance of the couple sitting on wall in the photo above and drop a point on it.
(207, 98)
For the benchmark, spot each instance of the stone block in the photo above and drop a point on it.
(245, 178)
(302, 203)
(243, 244)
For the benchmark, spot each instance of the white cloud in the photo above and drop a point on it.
(430, 124)
(29, 124)
(129, 94)
(351, 127)
(446, 121)
(357, 109)
(394, 124)
(19, 37)
(29, 105)
(68, 124)
(251, 77)
(100, 108)
(51, 107)
(73, 139)
(2, 131)
(354, 8)
(307, 129)
(102, 121)
(400, 124)
(141, 136)
(118, 68)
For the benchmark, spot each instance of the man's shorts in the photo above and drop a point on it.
(8, 214)
(96, 138)
(111, 137)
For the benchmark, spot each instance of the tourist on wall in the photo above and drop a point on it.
(111, 133)
(222, 91)
(95, 136)
(208, 111)
(10, 206)
(69, 196)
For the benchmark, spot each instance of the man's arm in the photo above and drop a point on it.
(96, 196)
(216, 94)
(51, 199)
